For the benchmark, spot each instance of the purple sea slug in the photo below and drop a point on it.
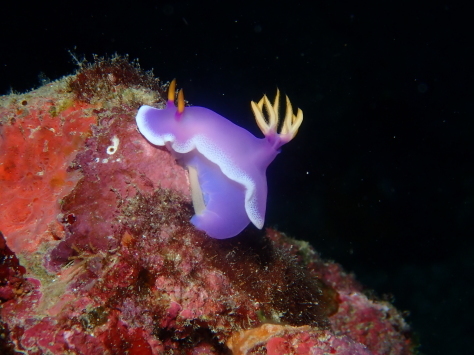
(226, 163)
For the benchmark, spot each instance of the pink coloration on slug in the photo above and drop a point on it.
(230, 162)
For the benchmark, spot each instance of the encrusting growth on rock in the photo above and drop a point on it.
(109, 78)
(97, 250)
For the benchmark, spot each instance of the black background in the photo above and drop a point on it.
(380, 176)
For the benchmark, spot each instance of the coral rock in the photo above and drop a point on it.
(99, 256)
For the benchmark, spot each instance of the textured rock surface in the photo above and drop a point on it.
(99, 256)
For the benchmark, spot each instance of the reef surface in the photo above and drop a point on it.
(97, 255)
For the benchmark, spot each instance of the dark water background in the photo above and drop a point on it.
(380, 177)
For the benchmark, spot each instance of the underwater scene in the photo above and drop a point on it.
(236, 178)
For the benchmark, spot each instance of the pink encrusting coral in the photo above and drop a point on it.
(98, 255)
(39, 139)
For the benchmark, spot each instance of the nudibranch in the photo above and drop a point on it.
(226, 163)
